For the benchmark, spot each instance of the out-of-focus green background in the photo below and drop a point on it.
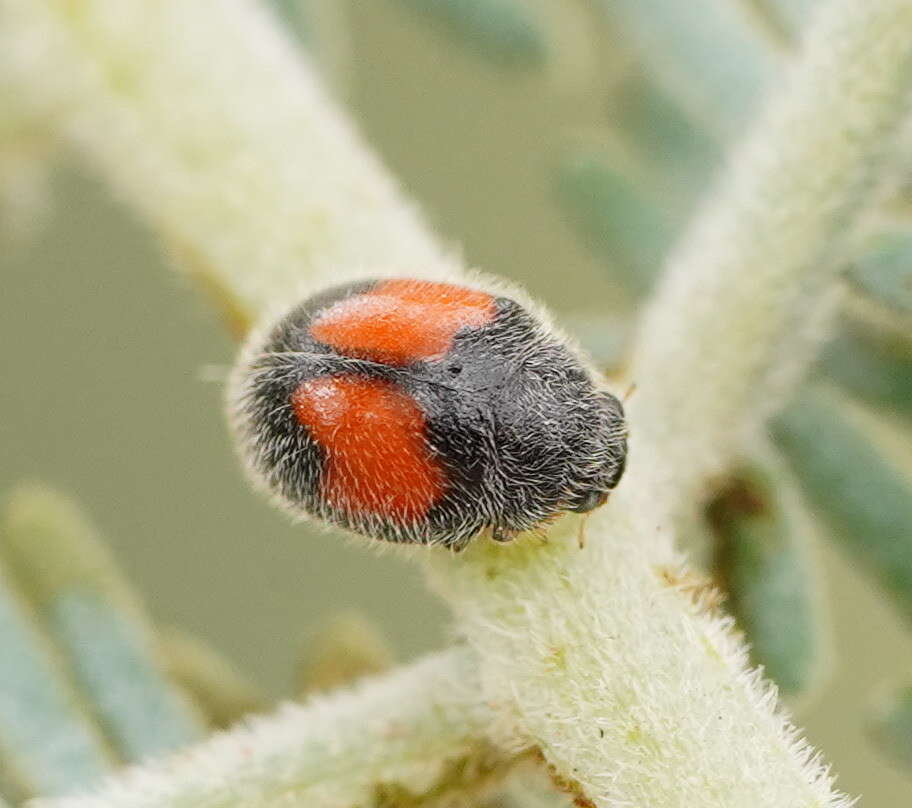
(108, 357)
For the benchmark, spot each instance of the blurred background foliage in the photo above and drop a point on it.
(562, 145)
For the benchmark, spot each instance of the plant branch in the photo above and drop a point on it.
(743, 298)
(631, 687)
(416, 734)
(206, 118)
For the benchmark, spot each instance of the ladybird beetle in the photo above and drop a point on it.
(423, 412)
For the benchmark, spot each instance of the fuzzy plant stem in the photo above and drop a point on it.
(739, 311)
(417, 732)
(632, 690)
(205, 119)
(213, 123)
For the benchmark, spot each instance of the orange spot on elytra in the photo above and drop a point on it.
(402, 321)
(377, 460)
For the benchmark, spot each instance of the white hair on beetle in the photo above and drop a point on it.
(571, 449)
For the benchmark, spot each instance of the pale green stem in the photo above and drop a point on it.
(590, 653)
(742, 288)
(209, 120)
(416, 731)
(588, 648)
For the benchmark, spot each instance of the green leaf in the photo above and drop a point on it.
(793, 14)
(892, 727)
(871, 367)
(222, 693)
(321, 27)
(704, 53)
(845, 459)
(505, 32)
(618, 222)
(883, 273)
(682, 155)
(100, 628)
(13, 785)
(46, 737)
(762, 531)
(346, 649)
(291, 13)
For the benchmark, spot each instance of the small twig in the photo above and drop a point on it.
(418, 732)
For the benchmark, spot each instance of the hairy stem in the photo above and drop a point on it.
(632, 689)
(214, 125)
(746, 293)
(417, 733)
